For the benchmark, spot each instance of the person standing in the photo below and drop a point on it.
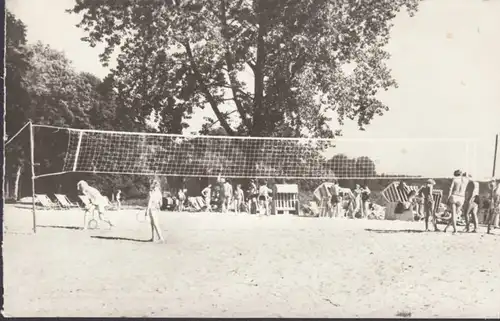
(264, 192)
(154, 205)
(118, 199)
(336, 199)
(97, 202)
(253, 194)
(472, 207)
(365, 200)
(426, 192)
(456, 198)
(239, 198)
(181, 195)
(228, 194)
(494, 210)
(357, 200)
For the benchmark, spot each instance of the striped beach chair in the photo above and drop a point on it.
(395, 193)
(322, 199)
(65, 202)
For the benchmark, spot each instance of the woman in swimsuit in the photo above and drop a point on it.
(457, 197)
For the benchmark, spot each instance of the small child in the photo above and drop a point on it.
(181, 195)
(118, 200)
(239, 198)
(97, 202)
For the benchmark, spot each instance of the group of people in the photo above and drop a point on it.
(344, 202)
(224, 197)
(463, 199)
(464, 196)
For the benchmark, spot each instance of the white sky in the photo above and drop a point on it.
(445, 60)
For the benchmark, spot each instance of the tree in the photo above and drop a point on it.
(295, 51)
(16, 65)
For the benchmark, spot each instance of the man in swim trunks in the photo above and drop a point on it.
(457, 197)
(428, 204)
(336, 199)
(472, 206)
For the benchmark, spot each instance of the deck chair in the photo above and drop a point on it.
(65, 202)
(46, 202)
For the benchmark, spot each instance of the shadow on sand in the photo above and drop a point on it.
(116, 238)
(394, 231)
(61, 227)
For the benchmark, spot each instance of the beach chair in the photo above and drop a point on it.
(65, 202)
(46, 202)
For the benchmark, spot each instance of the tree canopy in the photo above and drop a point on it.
(281, 66)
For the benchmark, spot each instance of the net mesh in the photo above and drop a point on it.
(251, 157)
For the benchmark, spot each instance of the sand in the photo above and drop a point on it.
(228, 265)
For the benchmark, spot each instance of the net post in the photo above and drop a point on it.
(77, 153)
(32, 161)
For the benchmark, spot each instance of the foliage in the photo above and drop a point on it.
(42, 86)
(171, 63)
(179, 54)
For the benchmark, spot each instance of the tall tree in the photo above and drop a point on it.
(16, 64)
(280, 64)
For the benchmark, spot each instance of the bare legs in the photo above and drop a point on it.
(429, 210)
(155, 230)
(452, 220)
(471, 209)
(90, 211)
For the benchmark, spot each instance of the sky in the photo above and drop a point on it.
(445, 60)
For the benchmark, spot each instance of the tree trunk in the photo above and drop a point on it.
(258, 111)
(16, 185)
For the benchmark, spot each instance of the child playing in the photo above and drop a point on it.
(181, 195)
(97, 202)
(154, 204)
(264, 192)
(472, 206)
